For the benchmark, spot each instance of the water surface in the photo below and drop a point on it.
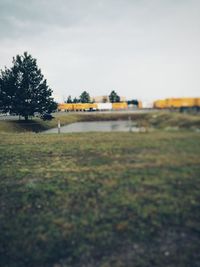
(97, 126)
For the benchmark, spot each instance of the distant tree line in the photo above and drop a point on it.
(85, 98)
(113, 98)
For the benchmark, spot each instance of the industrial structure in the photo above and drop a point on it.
(92, 106)
(182, 104)
(178, 103)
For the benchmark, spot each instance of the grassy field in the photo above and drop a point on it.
(160, 120)
(100, 199)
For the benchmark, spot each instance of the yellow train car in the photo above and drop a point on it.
(84, 106)
(178, 103)
(173, 102)
(197, 102)
(90, 106)
(65, 107)
(78, 107)
(119, 105)
(160, 104)
(188, 102)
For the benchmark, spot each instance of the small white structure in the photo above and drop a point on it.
(147, 104)
(104, 106)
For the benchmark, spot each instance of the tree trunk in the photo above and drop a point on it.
(26, 117)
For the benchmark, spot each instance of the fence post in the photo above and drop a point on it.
(130, 124)
(58, 126)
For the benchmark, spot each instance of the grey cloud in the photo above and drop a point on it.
(24, 17)
(142, 48)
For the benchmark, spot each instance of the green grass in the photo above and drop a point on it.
(158, 120)
(36, 124)
(100, 199)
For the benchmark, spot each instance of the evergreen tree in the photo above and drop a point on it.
(69, 99)
(76, 100)
(84, 97)
(114, 97)
(23, 89)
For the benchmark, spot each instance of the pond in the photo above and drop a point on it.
(97, 126)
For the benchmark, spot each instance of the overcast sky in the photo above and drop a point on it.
(145, 49)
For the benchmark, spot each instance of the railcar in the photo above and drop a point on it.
(178, 103)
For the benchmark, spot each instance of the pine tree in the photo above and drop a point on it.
(69, 99)
(76, 100)
(85, 97)
(114, 97)
(23, 89)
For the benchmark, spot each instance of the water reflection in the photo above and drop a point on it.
(98, 126)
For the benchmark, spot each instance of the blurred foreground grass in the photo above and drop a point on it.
(100, 199)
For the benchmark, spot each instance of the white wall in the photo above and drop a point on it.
(104, 106)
